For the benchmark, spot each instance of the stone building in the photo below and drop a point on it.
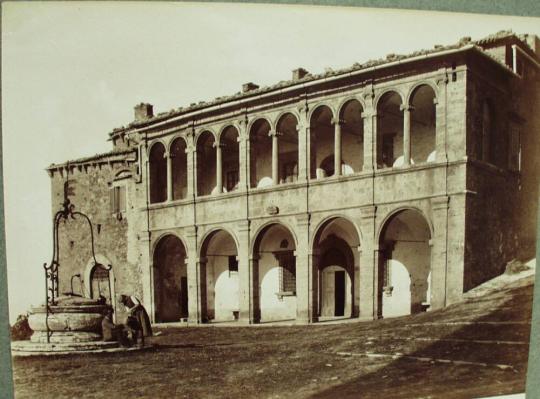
(388, 188)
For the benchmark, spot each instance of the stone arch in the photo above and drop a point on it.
(416, 85)
(170, 279)
(288, 140)
(322, 136)
(230, 157)
(273, 272)
(158, 172)
(260, 153)
(335, 247)
(423, 121)
(404, 269)
(206, 163)
(87, 280)
(202, 132)
(179, 160)
(352, 136)
(219, 276)
(389, 106)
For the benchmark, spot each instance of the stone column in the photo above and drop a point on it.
(368, 264)
(168, 156)
(254, 303)
(406, 134)
(194, 278)
(191, 188)
(275, 156)
(369, 117)
(147, 273)
(438, 243)
(440, 116)
(219, 170)
(337, 146)
(243, 155)
(303, 144)
(244, 272)
(306, 275)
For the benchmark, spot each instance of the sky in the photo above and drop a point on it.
(71, 72)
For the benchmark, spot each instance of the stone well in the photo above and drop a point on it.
(72, 319)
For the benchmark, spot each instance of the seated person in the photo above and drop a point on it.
(113, 332)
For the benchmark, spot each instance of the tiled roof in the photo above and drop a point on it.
(312, 77)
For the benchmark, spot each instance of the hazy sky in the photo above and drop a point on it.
(71, 72)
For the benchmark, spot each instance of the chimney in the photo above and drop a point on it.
(249, 87)
(143, 111)
(299, 73)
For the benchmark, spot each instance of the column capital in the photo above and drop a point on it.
(274, 133)
(217, 145)
(166, 154)
(338, 121)
(406, 107)
(368, 212)
(368, 114)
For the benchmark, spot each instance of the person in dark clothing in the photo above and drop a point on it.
(137, 321)
(113, 332)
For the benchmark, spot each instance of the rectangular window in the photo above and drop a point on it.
(287, 271)
(118, 199)
(514, 148)
(233, 263)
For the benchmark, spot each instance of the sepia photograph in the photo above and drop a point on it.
(235, 200)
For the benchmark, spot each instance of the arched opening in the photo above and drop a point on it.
(206, 164)
(222, 281)
(423, 123)
(179, 168)
(404, 265)
(336, 244)
(101, 284)
(321, 136)
(389, 131)
(230, 158)
(260, 154)
(352, 137)
(287, 148)
(158, 174)
(274, 274)
(170, 280)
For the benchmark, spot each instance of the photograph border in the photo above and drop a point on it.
(529, 8)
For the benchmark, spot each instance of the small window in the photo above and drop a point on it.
(233, 264)
(287, 271)
(514, 148)
(118, 199)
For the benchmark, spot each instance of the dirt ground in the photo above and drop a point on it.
(303, 361)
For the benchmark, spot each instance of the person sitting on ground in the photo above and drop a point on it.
(113, 332)
(137, 319)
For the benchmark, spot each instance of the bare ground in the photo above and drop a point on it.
(303, 361)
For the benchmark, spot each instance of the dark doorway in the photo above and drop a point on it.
(339, 277)
(183, 298)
